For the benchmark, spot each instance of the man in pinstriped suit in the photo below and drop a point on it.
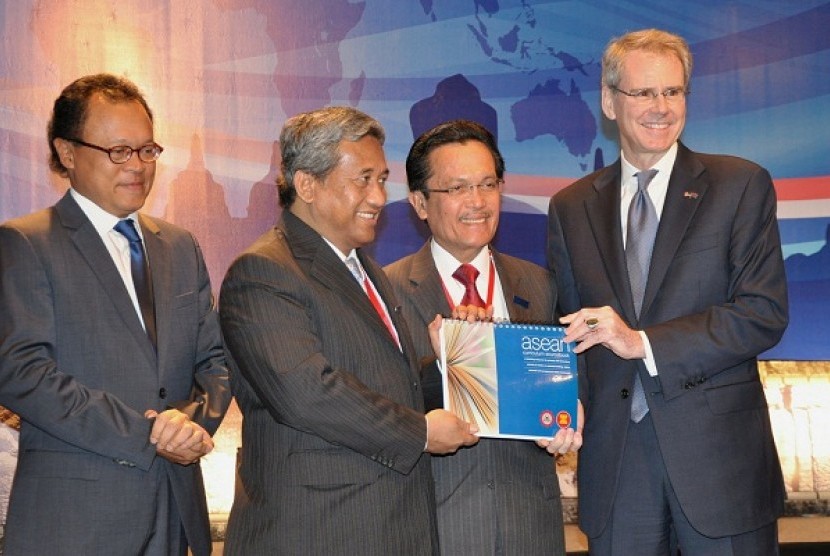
(324, 369)
(501, 497)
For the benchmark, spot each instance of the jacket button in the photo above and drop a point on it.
(162, 393)
(624, 393)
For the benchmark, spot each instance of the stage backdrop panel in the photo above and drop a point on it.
(223, 75)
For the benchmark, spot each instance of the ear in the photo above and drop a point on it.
(419, 203)
(608, 103)
(304, 184)
(66, 152)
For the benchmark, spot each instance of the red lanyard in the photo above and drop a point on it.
(384, 316)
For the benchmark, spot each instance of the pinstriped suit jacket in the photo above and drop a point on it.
(333, 431)
(77, 366)
(500, 496)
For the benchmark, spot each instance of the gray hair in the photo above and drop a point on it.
(648, 40)
(310, 141)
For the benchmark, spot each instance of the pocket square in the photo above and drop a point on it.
(520, 301)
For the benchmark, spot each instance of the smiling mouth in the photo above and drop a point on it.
(657, 125)
(373, 216)
(477, 220)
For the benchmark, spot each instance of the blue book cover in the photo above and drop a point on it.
(512, 380)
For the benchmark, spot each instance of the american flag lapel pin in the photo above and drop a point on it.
(690, 194)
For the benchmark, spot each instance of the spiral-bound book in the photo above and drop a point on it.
(512, 380)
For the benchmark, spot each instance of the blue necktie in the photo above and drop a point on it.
(642, 229)
(141, 276)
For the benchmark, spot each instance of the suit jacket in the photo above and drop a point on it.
(77, 366)
(500, 496)
(333, 431)
(716, 297)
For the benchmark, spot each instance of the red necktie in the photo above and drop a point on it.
(358, 273)
(379, 308)
(466, 274)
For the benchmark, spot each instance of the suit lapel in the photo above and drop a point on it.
(515, 296)
(427, 291)
(603, 211)
(161, 269)
(378, 278)
(96, 256)
(326, 267)
(685, 192)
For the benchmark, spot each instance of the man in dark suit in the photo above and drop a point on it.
(501, 497)
(119, 378)
(677, 434)
(324, 369)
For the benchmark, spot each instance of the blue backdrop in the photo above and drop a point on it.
(223, 75)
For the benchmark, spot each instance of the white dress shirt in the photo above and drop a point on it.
(117, 245)
(657, 190)
(447, 265)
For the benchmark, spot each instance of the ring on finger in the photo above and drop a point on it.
(592, 323)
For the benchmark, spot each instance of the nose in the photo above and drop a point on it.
(135, 164)
(660, 102)
(474, 196)
(376, 195)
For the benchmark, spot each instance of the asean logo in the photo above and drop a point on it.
(563, 419)
(546, 418)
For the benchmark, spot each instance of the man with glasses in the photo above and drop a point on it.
(670, 275)
(110, 348)
(501, 497)
(324, 369)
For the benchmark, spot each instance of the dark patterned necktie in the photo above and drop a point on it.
(141, 276)
(642, 229)
(466, 274)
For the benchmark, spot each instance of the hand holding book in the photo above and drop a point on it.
(511, 380)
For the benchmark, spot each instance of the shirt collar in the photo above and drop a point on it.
(102, 220)
(663, 166)
(351, 254)
(447, 264)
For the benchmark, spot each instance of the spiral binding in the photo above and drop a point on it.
(504, 323)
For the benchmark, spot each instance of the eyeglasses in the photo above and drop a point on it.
(643, 96)
(120, 154)
(485, 187)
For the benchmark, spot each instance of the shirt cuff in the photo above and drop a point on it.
(651, 365)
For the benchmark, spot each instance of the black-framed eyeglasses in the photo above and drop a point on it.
(485, 187)
(120, 154)
(671, 94)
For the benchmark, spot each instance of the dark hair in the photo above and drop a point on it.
(310, 142)
(70, 110)
(418, 169)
